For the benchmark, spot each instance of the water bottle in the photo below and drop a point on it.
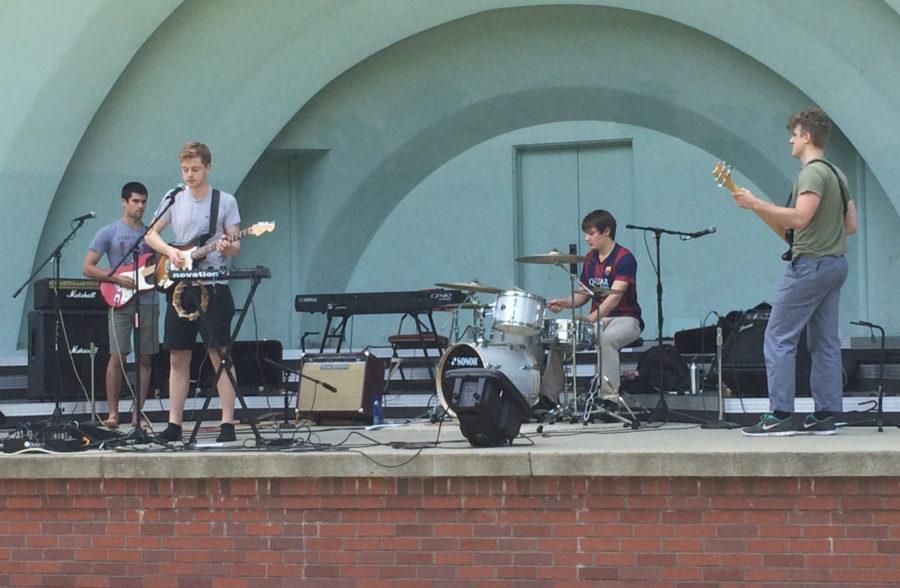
(695, 378)
(377, 414)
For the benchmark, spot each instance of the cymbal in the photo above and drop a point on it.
(473, 286)
(471, 306)
(553, 257)
(600, 292)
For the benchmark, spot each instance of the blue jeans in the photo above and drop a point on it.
(809, 295)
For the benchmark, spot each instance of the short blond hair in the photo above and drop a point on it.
(192, 150)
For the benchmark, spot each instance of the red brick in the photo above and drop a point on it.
(597, 544)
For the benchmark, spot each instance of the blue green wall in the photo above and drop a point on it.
(350, 123)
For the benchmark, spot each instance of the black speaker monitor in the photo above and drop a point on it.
(489, 407)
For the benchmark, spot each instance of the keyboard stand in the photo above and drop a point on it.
(226, 365)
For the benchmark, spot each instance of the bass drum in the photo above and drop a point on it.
(517, 363)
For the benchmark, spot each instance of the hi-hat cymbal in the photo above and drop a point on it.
(601, 292)
(473, 286)
(471, 306)
(553, 257)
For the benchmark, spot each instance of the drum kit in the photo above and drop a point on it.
(519, 334)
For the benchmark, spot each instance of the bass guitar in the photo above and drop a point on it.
(117, 296)
(722, 173)
(197, 252)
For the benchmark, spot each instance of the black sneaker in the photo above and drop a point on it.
(226, 433)
(171, 434)
(813, 426)
(542, 407)
(771, 426)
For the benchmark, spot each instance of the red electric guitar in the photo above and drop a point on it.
(116, 296)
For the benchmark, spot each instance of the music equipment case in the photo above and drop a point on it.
(358, 377)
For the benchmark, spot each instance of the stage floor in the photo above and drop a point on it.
(439, 450)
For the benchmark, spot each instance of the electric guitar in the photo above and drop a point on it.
(722, 173)
(117, 296)
(196, 252)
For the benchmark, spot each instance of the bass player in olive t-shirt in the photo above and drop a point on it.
(821, 214)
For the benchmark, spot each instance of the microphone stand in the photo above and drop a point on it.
(661, 406)
(56, 257)
(299, 374)
(879, 419)
(719, 423)
(138, 434)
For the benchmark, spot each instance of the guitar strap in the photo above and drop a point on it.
(213, 212)
(203, 238)
(789, 235)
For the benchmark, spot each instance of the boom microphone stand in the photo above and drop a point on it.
(134, 253)
(661, 406)
(56, 257)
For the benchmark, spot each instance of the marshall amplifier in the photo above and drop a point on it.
(49, 364)
(73, 294)
(357, 379)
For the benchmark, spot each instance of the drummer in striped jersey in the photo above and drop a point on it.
(614, 268)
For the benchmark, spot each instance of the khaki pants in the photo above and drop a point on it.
(615, 333)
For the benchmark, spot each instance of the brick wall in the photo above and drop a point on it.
(396, 531)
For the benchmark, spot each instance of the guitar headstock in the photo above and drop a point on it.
(722, 173)
(260, 228)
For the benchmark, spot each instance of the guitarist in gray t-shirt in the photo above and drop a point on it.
(189, 218)
(114, 241)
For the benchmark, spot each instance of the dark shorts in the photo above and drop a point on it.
(214, 325)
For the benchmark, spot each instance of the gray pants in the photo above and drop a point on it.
(615, 333)
(808, 297)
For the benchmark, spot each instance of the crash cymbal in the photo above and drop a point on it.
(473, 286)
(551, 258)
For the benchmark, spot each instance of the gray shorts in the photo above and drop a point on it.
(121, 325)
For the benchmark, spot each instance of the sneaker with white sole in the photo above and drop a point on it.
(813, 426)
(771, 426)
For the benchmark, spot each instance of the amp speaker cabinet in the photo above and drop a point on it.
(743, 363)
(47, 368)
(357, 377)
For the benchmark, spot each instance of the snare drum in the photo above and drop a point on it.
(518, 313)
(559, 332)
(515, 362)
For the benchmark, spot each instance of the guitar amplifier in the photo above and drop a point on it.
(49, 363)
(357, 377)
(74, 294)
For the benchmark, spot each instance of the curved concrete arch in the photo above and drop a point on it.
(422, 116)
(293, 50)
(404, 168)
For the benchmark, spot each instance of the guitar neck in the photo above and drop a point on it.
(728, 184)
(201, 252)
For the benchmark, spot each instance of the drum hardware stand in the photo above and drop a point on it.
(592, 406)
(719, 423)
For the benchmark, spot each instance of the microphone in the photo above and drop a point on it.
(706, 231)
(573, 267)
(84, 217)
(864, 324)
(171, 193)
(329, 387)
